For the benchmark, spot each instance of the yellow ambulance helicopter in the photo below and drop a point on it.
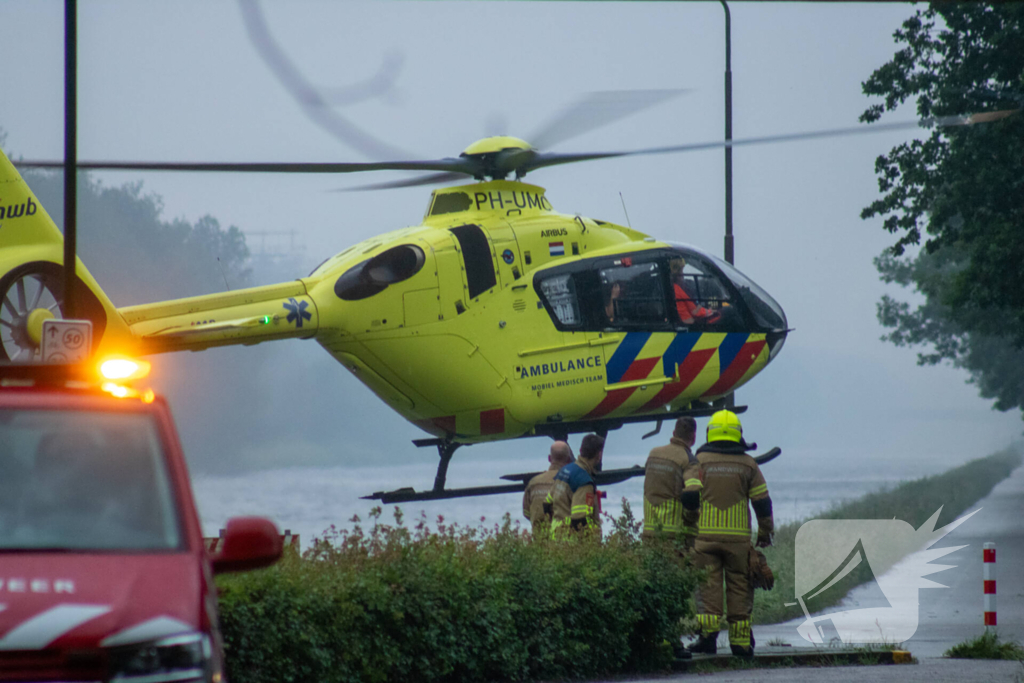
(496, 317)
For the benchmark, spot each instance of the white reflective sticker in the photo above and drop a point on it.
(158, 627)
(44, 628)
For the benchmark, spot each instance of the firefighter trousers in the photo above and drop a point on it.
(731, 562)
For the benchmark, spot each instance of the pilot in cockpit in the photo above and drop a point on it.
(613, 292)
(689, 311)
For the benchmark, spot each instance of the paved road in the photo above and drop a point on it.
(951, 615)
(947, 615)
(927, 671)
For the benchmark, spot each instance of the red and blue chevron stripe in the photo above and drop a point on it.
(737, 352)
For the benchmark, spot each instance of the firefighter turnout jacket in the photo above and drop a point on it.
(732, 484)
(573, 499)
(731, 479)
(672, 488)
(533, 499)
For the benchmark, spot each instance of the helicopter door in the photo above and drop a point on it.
(477, 259)
(506, 250)
(450, 280)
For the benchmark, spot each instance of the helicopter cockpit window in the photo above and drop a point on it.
(374, 275)
(633, 294)
(560, 292)
(765, 309)
(700, 297)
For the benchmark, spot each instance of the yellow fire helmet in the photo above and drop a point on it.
(725, 426)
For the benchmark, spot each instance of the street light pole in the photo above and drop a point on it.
(729, 254)
(730, 400)
(70, 152)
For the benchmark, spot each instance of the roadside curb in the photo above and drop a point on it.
(795, 659)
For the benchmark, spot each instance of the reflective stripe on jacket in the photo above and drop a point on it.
(670, 470)
(573, 498)
(731, 479)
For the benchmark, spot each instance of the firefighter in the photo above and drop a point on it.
(672, 487)
(537, 490)
(731, 478)
(573, 500)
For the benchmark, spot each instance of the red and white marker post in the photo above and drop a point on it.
(989, 555)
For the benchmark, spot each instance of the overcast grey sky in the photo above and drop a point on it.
(180, 81)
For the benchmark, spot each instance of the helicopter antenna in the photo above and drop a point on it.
(624, 211)
(223, 274)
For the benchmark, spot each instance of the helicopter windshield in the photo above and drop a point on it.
(766, 311)
(666, 289)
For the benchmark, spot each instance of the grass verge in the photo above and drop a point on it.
(914, 502)
(987, 646)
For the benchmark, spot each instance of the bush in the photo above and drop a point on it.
(455, 604)
(986, 646)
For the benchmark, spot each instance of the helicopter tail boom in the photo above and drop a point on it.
(31, 291)
(246, 316)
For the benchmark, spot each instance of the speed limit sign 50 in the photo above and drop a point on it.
(66, 341)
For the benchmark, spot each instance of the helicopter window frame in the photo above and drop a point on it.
(375, 274)
(559, 295)
(586, 281)
(593, 318)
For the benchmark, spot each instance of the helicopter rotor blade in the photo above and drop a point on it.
(432, 179)
(454, 166)
(544, 159)
(596, 109)
(519, 161)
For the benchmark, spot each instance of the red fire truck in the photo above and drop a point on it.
(103, 573)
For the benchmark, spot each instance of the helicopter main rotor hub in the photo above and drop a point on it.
(497, 156)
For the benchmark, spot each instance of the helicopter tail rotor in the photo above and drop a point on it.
(32, 278)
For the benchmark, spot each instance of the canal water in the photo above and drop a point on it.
(307, 501)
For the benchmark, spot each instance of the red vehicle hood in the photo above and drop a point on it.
(74, 600)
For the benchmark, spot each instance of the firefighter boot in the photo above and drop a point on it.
(706, 644)
(680, 651)
(707, 637)
(741, 639)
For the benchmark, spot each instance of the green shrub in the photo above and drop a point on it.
(986, 646)
(455, 604)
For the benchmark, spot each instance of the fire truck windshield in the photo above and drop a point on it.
(84, 480)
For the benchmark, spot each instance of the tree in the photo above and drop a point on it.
(960, 189)
(996, 366)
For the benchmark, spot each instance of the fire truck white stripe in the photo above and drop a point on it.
(150, 629)
(44, 628)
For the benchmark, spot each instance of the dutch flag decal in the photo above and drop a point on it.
(556, 249)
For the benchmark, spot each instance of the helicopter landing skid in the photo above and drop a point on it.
(560, 430)
(603, 478)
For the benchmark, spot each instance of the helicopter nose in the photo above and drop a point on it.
(775, 341)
